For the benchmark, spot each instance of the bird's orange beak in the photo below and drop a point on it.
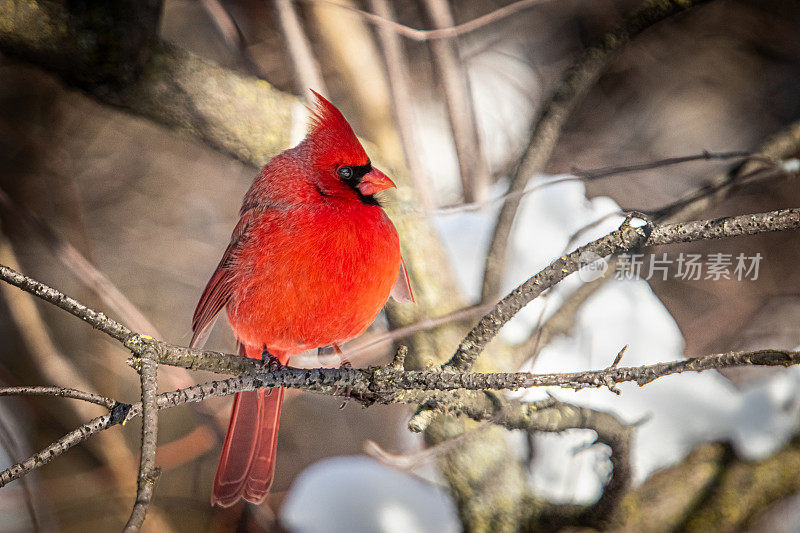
(374, 181)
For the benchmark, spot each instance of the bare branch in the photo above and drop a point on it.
(377, 385)
(394, 385)
(782, 145)
(307, 72)
(552, 415)
(97, 320)
(147, 367)
(59, 392)
(576, 83)
(443, 32)
(224, 23)
(55, 449)
(400, 87)
(236, 114)
(461, 112)
(401, 333)
(622, 240)
(594, 174)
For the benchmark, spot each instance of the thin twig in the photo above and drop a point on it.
(576, 83)
(443, 32)
(83, 269)
(400, 87)
(147, 366)
(59, 392)
(224, 23)
(595, 174)
(55, 449)
(306, 68)
(475, 179)
(619, 241)
(8, 443)
(401, 333)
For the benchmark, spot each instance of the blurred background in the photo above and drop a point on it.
(130, 217)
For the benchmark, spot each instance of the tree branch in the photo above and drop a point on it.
(236, 114)
(622, 240)
(147, 366)
(306, 68)
(393, 385)
(60, 392)
(97, 320)
(475, 179)
(574, 85)
(450, 31)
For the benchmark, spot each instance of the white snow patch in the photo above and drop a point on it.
(355, 494)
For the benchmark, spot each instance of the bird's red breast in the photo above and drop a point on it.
(312, 275)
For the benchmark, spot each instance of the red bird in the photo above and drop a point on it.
(311, 263)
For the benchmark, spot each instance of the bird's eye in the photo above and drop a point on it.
(345, 172)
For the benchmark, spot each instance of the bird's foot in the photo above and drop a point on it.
(344, 363)
(270, 360)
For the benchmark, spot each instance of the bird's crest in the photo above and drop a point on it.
(331, 136)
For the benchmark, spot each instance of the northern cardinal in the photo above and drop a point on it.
(311, 263)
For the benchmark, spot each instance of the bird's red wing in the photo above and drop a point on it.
(401, 291)
(219, 287)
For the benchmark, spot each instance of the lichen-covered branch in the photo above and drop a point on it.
(711, 490)
(389, 384)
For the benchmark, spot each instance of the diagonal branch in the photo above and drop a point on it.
(306, 68)
(97, 320)
(573, 87)
(622, 240)
(83, 269)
